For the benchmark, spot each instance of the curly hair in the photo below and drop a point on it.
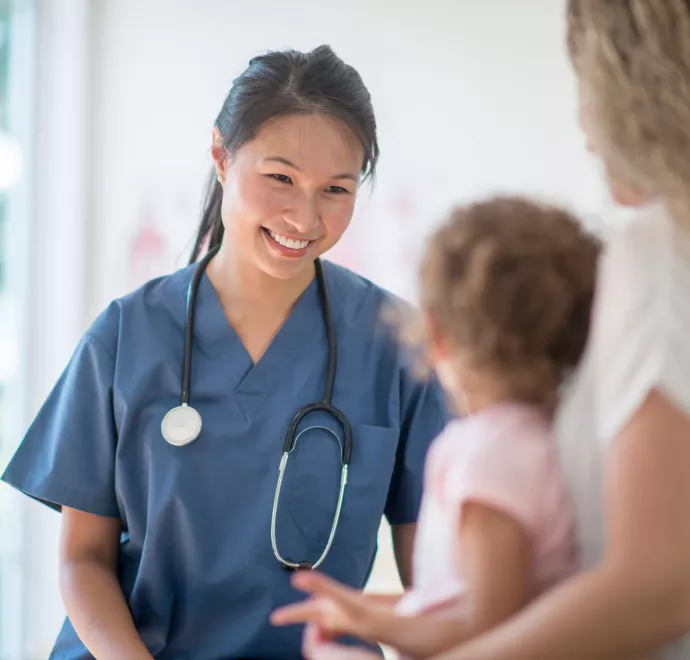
(509, 283)
(632, 59)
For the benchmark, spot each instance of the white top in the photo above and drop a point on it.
(640, 340)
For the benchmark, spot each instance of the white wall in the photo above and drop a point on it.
(471, 97)
(54, 279)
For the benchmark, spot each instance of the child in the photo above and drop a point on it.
(506, 293)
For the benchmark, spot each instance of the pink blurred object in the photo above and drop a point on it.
(147, 253)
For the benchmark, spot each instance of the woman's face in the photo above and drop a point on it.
(622, 194)
(289, 193)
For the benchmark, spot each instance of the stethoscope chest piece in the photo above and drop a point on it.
(181, 425)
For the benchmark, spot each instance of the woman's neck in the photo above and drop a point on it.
(244, 289)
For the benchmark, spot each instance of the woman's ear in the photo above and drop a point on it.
(218, 153)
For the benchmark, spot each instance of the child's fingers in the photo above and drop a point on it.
(310, 639)
(318, 645)
(331, 651)
(328, 651)
(317, 583)
(308, 610)
(314, 636)
(323, 612)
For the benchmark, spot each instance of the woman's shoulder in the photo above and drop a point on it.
(641, 318)
(159, 301)
(371, 321)
(644, 272)
(648, 242)
(353, 284)
(357, 296)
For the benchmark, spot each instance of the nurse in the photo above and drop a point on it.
(171, 549)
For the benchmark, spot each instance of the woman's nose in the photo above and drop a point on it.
(304, 215)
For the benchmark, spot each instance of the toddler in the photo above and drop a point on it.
(506, 289)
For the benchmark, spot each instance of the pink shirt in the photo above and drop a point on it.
(505, 457)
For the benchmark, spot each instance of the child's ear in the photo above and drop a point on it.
(438, 346)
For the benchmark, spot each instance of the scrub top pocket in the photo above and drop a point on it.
(313, 479)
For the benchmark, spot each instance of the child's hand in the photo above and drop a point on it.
(318, 646)
(335, 609)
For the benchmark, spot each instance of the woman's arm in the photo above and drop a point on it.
(90, 590)
(638, 598)
(403, 545)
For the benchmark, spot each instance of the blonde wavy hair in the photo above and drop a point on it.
(632, 59)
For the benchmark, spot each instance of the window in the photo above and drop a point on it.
(16, 110)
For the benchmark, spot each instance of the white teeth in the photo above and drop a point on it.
(290, 243)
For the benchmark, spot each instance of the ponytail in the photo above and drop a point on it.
(210, 233)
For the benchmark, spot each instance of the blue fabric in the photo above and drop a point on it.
(196, 563)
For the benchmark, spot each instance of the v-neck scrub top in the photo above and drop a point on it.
(195, 563)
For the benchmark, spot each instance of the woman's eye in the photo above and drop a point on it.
(283, 178)
(337, 190)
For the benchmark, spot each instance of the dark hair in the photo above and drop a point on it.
(286, 83)
(510, 283)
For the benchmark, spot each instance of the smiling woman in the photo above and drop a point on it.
(320, 95)
(167, 551)
(296, 180)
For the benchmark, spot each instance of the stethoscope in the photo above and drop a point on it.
(182, 424)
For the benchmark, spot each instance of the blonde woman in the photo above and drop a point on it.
(624, 426)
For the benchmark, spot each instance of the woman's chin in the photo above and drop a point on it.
(284, 268)
(626, 196)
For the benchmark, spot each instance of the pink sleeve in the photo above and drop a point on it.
(508, 474)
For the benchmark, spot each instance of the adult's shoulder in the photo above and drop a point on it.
(366, 313)
(645, 242)
(149, 308)
(641, 320)
(357, 297)
(645, 265)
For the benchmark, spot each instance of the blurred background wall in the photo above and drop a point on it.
(106, 109)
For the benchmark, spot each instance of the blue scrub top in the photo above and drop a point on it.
(196, 564)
